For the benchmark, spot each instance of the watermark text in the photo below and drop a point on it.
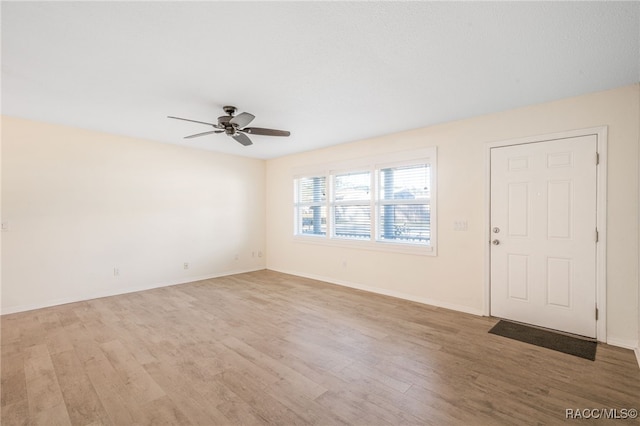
(601, 413)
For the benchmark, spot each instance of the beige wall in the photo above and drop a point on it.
(81, 203)
(455, 277)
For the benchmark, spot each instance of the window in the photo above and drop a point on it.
(351, 205)
(376, 203)
(311, 209)
(403, 205)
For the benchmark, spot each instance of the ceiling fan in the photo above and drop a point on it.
(234, 126)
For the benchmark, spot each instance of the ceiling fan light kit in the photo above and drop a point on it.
(234, 126)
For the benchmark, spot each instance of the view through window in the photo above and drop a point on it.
(380, 204)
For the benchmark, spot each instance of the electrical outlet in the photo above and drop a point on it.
(116, 272)
(186, 265)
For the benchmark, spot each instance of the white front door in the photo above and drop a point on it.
(543, 232)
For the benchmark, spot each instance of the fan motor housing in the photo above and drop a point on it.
(224, 120)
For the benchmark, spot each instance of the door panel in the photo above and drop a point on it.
(518, 205)
(559, 282)
(518, 283)
(559, 200)
(543, 207)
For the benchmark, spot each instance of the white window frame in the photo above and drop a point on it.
(298, 225)
(333, 203)
(377, 202)
(372, 164)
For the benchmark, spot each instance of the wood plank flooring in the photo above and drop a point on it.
(270, 348)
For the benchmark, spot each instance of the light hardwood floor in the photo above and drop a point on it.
(270, 348)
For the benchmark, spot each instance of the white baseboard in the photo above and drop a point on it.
(637, 352)
(386, 292)
(115, 292)
(623, 343)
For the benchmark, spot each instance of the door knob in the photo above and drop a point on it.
(495, 242)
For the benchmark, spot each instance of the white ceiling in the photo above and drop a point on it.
(330, 72)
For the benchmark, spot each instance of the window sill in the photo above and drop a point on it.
(382, 246)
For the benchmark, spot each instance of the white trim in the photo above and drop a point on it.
(486, 303)
(385, 292)
(601, 248)
(116, 292)
(371, 164)
(386, 246)
(623, 343)
(601, 134)
(637, 352)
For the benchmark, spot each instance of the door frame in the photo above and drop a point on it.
(601, 134)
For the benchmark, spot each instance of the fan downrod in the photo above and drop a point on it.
(230, 110)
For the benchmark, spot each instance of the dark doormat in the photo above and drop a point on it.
(547, 339)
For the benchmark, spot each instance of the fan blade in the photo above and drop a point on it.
(265, 132)
(203, 134)
(242, 119)
(193, 121)
(243, 139)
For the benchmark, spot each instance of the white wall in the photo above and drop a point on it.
(455, 278)
(81, 203)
